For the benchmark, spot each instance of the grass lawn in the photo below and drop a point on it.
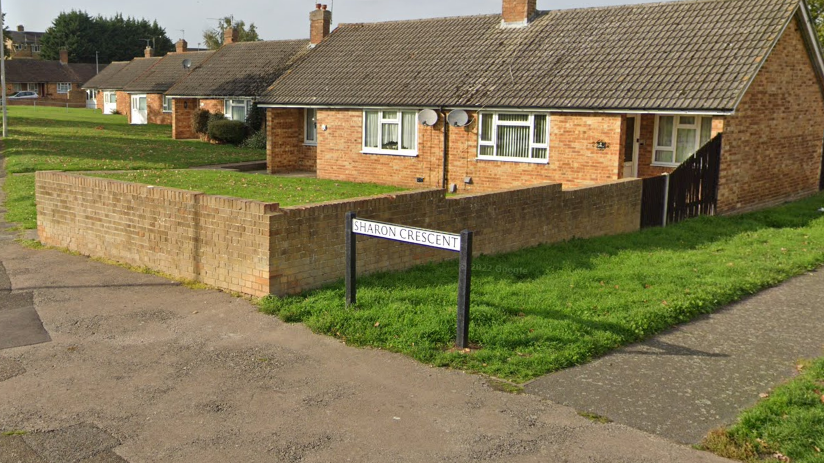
(284, 190)
(551, 307)
(81, 139)
(790, 421)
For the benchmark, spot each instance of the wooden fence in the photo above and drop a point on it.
(689, 191)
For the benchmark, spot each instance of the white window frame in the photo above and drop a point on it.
(110, 97)
(35, 48)
(64, 87)
(230, 103)
(307, 139)
(167, 104)
(18, 87)
(384, 121)
(494, 142)
(696, 125)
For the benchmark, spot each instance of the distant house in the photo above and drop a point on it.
(108, 87)
(24, 44)
(577, 96)
(150, 105)
(56, 82)
(231, 79)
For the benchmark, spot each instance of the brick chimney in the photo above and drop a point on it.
(321, 21)
(181, 46)
(20, 28)
(64, 56)
(230, 35)
(148, 52)
(519, 12)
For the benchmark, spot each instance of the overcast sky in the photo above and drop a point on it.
(275, 19)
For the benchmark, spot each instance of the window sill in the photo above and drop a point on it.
(668, 165)
(310, 143)
(391, 153)
(167, 111)
(519, 160)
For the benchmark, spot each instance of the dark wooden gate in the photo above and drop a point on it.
(689, 191)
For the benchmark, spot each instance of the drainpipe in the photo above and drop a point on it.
(445, 183)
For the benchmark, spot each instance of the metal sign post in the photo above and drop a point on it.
(434, 239)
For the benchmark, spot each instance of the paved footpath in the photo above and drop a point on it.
(141, 369)
(699, 376)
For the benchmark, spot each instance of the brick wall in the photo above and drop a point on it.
(99, 99)
(772, 145)
(154, 107)
(182, 110)
(256, 248)
(574, 160)
(219, 241)
(124, 104)
(285, 147)
(213, 106)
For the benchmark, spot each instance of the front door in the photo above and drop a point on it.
(139, 114)
(109, 102)
(631, 135)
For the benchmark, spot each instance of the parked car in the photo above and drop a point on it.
(23, 95)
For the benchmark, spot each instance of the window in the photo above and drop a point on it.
(110, 97)
(679, 137)
(236, 110)
(167, 104)
(17, 87)
(64, 87)
(390, 132)
(514, 137)
(18, 46)
(35, 48)
(311, 127)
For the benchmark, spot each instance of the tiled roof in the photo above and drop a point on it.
(696, 55)
(26, 36)
(41, 71)
(100, 79)
(241, 69)
(166, 72)
(118, 80)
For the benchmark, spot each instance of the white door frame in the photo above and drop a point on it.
(635, 147)
(108, 108)
(139, 117)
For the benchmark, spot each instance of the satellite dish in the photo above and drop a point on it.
(187, 63)
(427, 117)
(458, 118)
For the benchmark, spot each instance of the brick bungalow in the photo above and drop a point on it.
(108, 88)
(149, 104)
(577, 96)
(56, 82)
(231, 79)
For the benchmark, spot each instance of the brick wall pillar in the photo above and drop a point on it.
(285, 147)
(182, 110)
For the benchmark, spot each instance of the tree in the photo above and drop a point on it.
(213, 38)
(817, 14)
(113, 39)
(6, 37)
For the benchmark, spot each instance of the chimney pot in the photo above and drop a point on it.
(519, 12)
(20, 28)
(148, 52)
(320, 24)
(64, 56)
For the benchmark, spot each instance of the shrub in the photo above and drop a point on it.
(216, 117)
(255, 141)
(114, 111)
(200, 120)
(225, 131)
(256, 118)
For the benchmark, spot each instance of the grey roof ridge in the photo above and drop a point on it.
(212, 53)
(539, 12)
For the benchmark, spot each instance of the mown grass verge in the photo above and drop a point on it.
(551, 307)
(287, 191)
(787, 425)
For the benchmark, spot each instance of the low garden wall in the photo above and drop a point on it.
(258, 248)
